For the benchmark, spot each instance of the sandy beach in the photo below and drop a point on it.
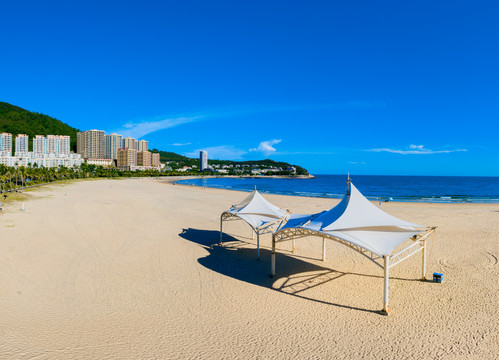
(125, 269)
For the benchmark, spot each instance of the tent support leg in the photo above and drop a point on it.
(221, 233)
(323, 249)
(386, 310)
(293, 245)
(272, 263)
(423, 270)
(258, 245)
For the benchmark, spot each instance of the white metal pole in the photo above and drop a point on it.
(385, 310)
(272, 266)
(258, 245)
(423, 275)
(323, 249)
(221, 233)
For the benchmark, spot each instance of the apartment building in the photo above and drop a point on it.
(22, 141)
(130, 143)
(40, 145)
(144, 158)
(155, 160)
(127, 158)
(5, 144)
(143, 145)
(90, 144)
(112, 144)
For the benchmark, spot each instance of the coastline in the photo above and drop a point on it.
(96, 285)
(389, 189)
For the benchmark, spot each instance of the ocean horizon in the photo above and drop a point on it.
(400, 188)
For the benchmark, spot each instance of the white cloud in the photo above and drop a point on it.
(266, 147)
(356, 163)
(223, 152)
(416, 150)
(180, 144)
(138, 130)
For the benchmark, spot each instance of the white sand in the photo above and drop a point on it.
(101, 269)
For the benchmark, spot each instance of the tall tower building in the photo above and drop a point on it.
(143, 145)
(203, 160)
(22, 141)
(90, 144)
(6, 144)
(112, 145)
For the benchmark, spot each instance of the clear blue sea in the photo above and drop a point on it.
(441, 189)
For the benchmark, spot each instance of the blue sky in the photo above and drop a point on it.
(366, 87)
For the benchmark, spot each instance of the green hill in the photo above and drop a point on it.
(16, 120)
(170, 156)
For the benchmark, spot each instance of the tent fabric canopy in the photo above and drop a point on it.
(356, 220)
(257, 211)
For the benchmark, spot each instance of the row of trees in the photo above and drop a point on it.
(13, 178)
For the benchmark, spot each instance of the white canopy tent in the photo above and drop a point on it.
(262, 216)
(357, 223)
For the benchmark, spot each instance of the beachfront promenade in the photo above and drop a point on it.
(126, 269)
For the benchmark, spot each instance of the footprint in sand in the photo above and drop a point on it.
(492, 259)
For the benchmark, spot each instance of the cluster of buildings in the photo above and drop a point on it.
(93, 147)
(114, 150)
(233, 169)
(96, 148)
(247, 169)
(48, 151)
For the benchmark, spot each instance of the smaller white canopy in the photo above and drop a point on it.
(257, 211)
(356, 220)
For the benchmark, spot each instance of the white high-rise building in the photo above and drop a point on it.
(40, 145)
(112, 143)
(53, 144)
(203, 160)
(22, 141)
(50, 151)
(65, 145)
(6, 144)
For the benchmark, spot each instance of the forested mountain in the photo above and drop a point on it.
(16, 120)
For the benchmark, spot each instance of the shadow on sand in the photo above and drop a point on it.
(294, 276)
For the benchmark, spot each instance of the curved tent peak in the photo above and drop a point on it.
(328, 217)
(361, 213)
(245, 202)
(256, 204)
